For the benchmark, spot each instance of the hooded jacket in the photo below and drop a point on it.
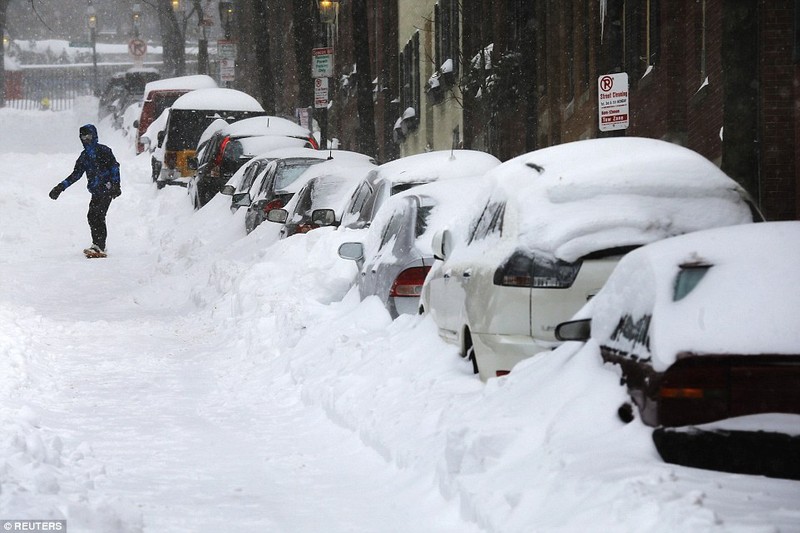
(99, 164)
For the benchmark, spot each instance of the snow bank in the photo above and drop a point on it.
(274, 324)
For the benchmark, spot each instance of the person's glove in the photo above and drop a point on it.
(116, 190)
(56, 191)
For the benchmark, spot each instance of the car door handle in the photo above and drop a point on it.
(446, 275)
(363, 274)
(466, 274)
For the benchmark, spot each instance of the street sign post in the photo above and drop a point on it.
(226, 52)
(613, 106)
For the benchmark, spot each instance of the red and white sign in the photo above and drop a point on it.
(137, 47)
(613, 107)
(320, 92)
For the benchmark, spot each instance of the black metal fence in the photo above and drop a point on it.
(57, 86)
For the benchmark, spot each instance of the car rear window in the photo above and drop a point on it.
(289, 172)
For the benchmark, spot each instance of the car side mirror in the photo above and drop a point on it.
(575, 330)
(161, 135)
(277, 215)
(192, 163)
(136, 124)
(227, 190)
(442, 244)
(323, 217)
(354, 251)
(242, 199)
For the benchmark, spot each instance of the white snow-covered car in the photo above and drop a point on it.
(550, 233)
(396, 254)
(407, 172)
(704, 330)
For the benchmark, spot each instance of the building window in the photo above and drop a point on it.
(652, 36)
(796, 55)
(410, 84)
(447, 51)
(701, 39)
(569, 45)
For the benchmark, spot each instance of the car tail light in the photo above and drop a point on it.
(305, 228)
(171, 159)
(276, 203)
(221, 151)
(146, 118)
(313, 142)
(409, 282)
(525, 270)
(694, 391)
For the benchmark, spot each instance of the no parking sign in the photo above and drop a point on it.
(613, 108)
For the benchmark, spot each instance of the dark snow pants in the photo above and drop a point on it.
(98, 207)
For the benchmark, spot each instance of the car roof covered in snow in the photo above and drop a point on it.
(188, 83)
(441, 164)
(218, 99)
(614, 192)
(268, 125)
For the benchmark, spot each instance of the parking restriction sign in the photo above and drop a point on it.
(613, 107)
(320, 92)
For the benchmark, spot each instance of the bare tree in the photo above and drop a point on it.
(3, 10)
(265, 78)
(172, 37)
(366, 112)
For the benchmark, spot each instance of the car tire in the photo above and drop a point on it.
(470, 355)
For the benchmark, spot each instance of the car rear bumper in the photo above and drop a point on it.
(764, 453)
(499, 353)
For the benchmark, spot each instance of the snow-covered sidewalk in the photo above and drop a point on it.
(203, 380)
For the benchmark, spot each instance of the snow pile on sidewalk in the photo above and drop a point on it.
(539, 450)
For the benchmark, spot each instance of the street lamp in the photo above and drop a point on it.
(328, 9)
(91, 19)
(177, 6)
(136, 15)
(226, 17)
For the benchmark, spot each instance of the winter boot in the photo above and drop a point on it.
(94, 251)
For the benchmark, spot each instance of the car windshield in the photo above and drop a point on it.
(288, 172)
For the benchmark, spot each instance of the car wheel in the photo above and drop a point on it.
(473, 359)
(625, 413)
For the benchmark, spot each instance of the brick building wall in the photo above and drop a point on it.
(779, 103)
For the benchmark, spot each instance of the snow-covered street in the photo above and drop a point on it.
(199, 379)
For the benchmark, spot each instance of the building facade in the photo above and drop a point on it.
(721, 77)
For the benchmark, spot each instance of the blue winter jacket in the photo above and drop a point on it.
(99, 164)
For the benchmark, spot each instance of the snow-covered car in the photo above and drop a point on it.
(396, 254)
(188, 117)
(152, 139)
(161, 94)
(240, 184)
(321, 200)
(407, 172)
(275, 187)
(554, 226)
(705, 331)
(234, 144)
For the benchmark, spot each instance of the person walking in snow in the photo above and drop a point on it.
(102, 175)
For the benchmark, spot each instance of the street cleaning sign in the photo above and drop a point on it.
(613, 108)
